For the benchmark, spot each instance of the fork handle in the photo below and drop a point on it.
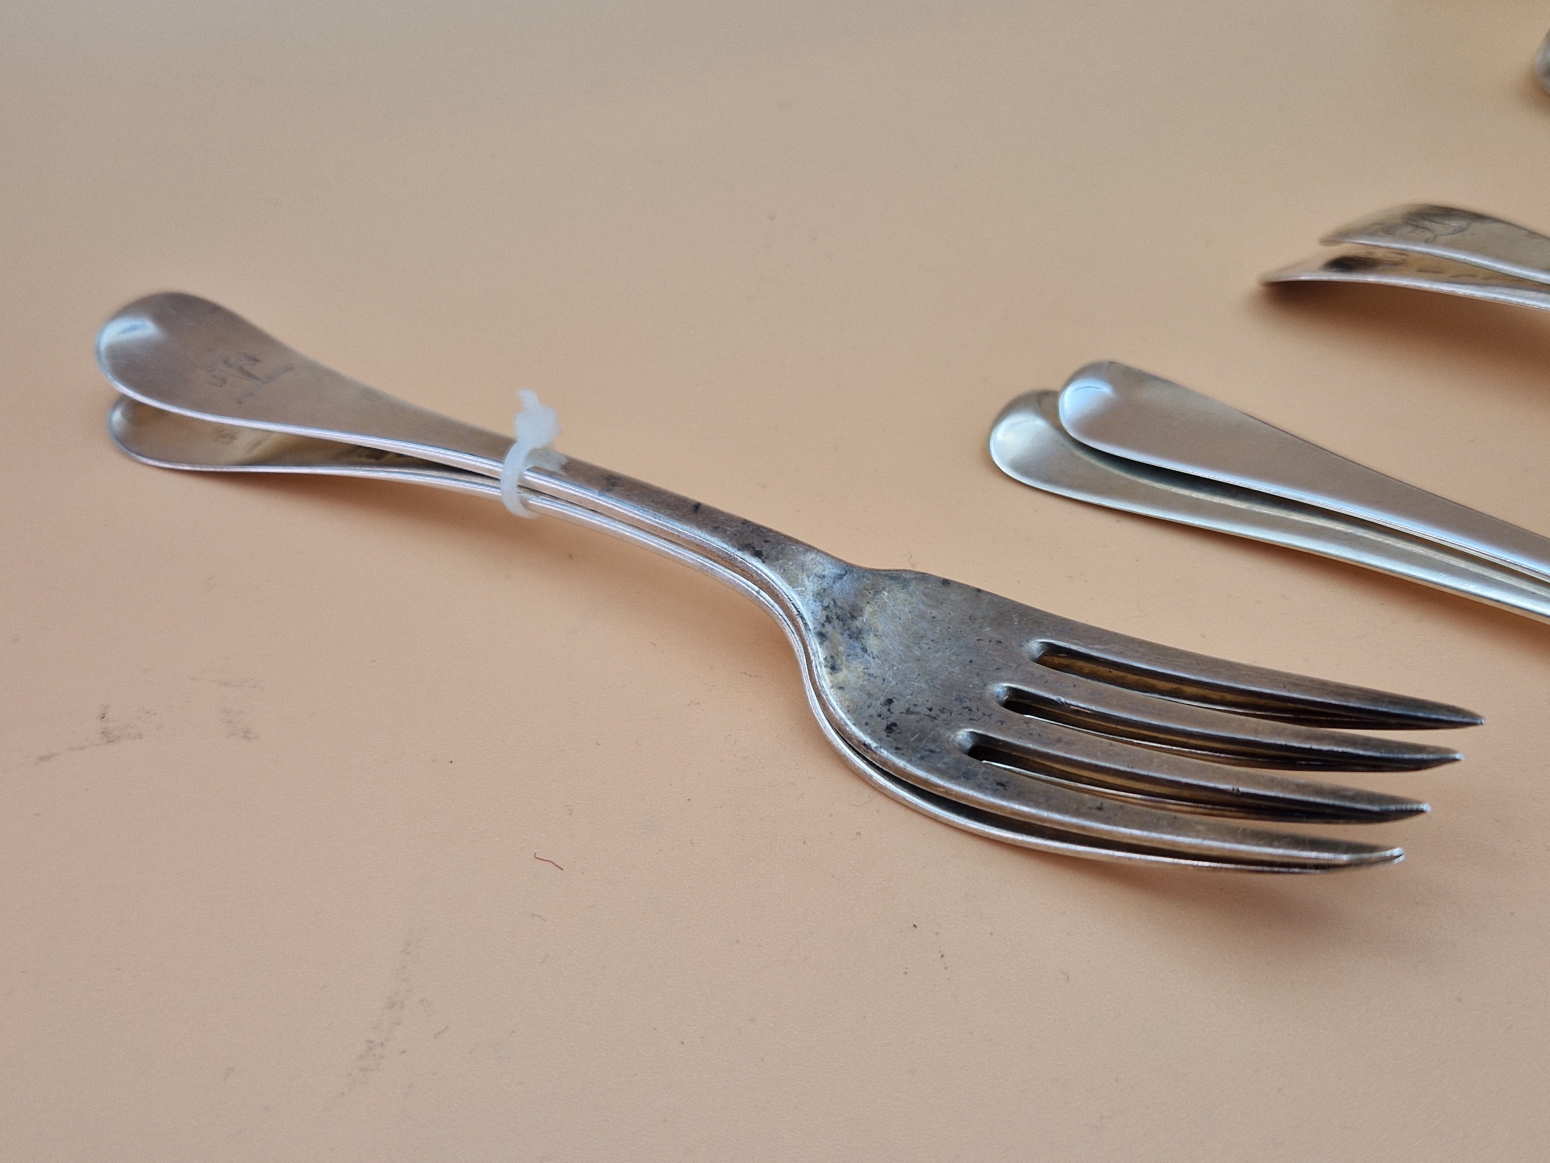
(786, 569)
(189, 355)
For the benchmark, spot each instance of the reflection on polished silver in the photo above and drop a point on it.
(1434, 248)
(984, 713)
(1030, 445)
(1135, 415)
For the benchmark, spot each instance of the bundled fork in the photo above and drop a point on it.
(981, 712)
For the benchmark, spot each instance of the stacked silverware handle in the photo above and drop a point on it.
(1433, 248)
(1126, 439)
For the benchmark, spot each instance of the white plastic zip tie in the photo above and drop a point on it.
(536, 426)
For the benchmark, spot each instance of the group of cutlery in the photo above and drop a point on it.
(1126, 439)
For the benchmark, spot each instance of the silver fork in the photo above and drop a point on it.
(991, 715)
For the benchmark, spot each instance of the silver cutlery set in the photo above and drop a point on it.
(1126, 439)
(989, 715)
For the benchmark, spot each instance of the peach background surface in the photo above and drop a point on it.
(361, 822)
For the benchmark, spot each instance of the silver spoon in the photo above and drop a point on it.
(1133, 414)
(1028, 443)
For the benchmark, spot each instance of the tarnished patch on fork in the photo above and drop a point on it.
(1107, 740)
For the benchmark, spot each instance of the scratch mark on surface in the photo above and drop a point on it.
(236, 727)
(389, 1019)
(546, 860)
(241, 684)
(108, 732)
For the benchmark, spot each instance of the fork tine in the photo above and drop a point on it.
(1184, 676)
(1030, 835)
(1101, 824)
(1108, 710)
(1330, 855)
(1117, 768)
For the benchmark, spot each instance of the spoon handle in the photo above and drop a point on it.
(1433, 248)
(1384, 267)
(1130, 413)
(1450, 233)
(1029, 445)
